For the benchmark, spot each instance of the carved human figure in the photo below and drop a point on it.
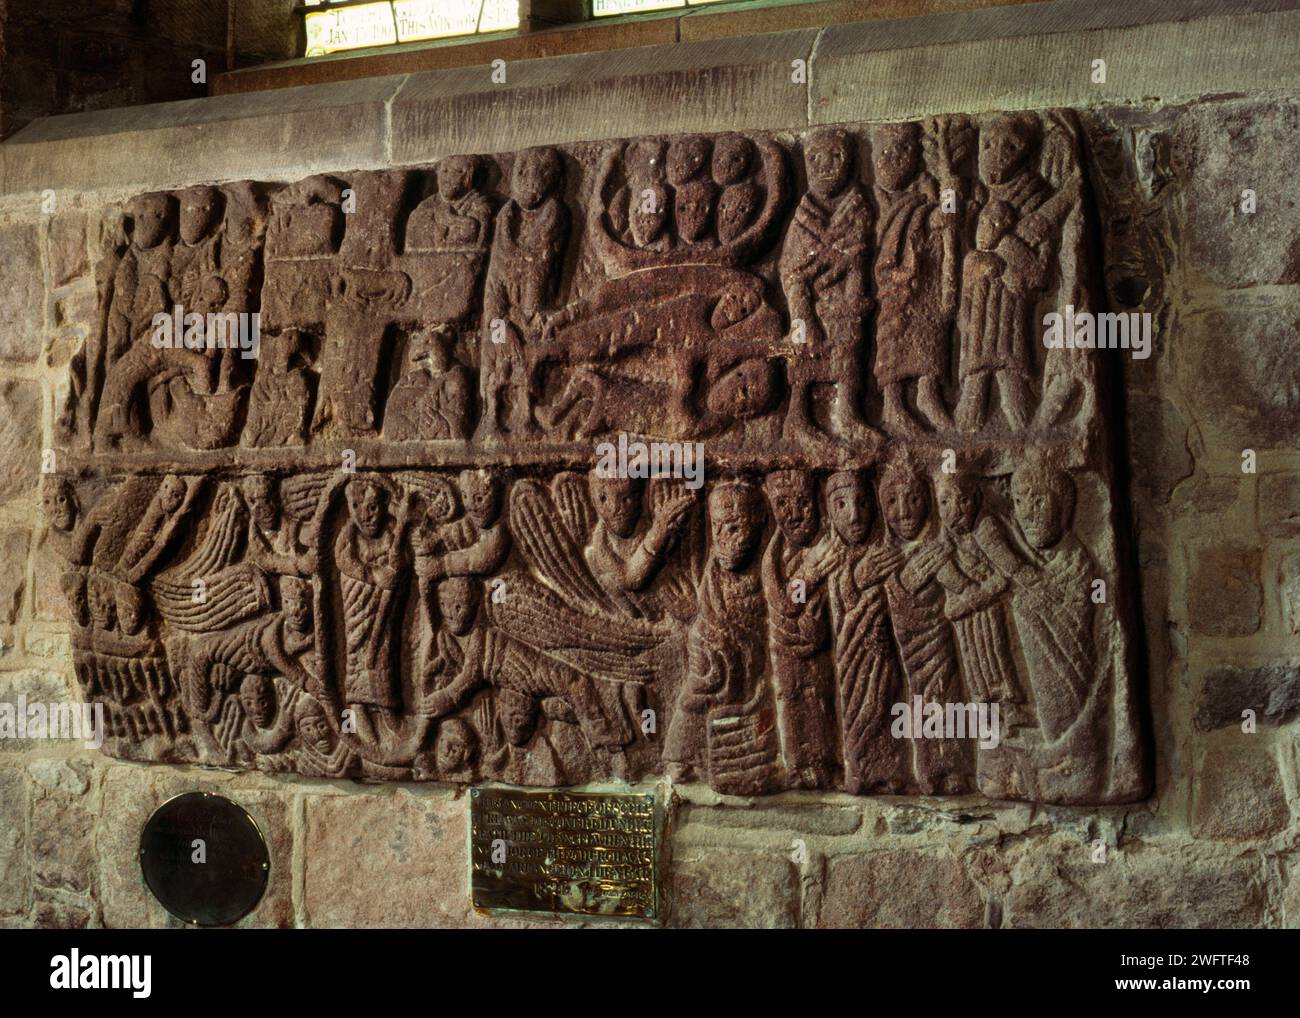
(455, 751)
(157, 527)
(795, 568)
(473, 657)
(321, 752)
(1003, 278)
(457, 216)
(130, 607)
(726, 649)
(295, 635)
(740, 197)
(195, 280)
(141, 289)
(527, 249)
(477, 543)
(257, 698)
(239, 258)
(433, 399)
(642, 204)
(640, 208)
(241, 267)
(103, 602)
(626, 552)
(277, 544)
(823, 272)
(60, 504)
(235, 288)
(1069, 389)
(62, 510)
(258, 722)
(708, 189)
(279, 403)
(430, 537)
(276, 643)
(927, 648)
(1051, 597)
(172, 491)
(194, 391)
(537, 741)
(464, 655)
(306, 220)
(473, 544)
(916, 272)
(120, 664)
(868, 674)
(513, 754)
(371, 558)
(964, 563)
(74, 535)
(693, 208)
(648, 210)
(993, 313)
(687, 157)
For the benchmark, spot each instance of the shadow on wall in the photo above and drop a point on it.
(84, 55)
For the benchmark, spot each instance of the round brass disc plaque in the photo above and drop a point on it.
(204, 859)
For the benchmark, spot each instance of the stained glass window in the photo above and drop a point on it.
(335, 25)
(332, 27)
(604, 8)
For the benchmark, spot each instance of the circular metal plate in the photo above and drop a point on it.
(204, 859)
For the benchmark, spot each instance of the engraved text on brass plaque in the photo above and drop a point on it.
(569, 852)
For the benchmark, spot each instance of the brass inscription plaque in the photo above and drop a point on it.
(564, 852)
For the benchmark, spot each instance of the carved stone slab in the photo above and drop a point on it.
(403, 524)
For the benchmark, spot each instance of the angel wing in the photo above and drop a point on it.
(544, 538)
(546, 622)
(153, 531)
(569, 491)
(689, 540)
(438, 493)
(210, 589)
(221, 543)
(300, 495)
(202, 605)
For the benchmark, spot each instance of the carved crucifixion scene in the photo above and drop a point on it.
(334, 496)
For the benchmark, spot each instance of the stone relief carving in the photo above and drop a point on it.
(379, 547)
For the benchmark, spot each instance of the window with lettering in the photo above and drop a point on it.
(333, 27)
(604, 8)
